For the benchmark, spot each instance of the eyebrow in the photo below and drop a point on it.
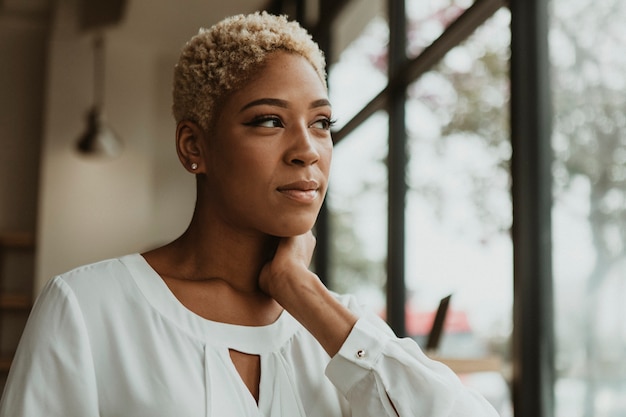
(283, 103)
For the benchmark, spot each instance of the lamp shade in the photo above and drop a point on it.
(99, 139)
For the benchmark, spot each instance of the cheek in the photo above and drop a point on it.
(326, 156)
(239, 158)
(251, 171)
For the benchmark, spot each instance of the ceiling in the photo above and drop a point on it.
(168, 24)
(165, 25)
(161, 24)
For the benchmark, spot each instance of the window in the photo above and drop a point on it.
(459, 205)
(458, 208)
(459, 156)
(587, 41)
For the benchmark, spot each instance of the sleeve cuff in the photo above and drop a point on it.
(357, 356)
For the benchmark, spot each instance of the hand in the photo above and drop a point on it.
(287, 279)
(290, 263)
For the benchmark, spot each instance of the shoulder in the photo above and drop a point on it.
(95, 270)
(90, 282)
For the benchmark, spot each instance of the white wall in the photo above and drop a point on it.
(94, 209)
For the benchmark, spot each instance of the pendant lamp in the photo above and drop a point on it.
(98, 140)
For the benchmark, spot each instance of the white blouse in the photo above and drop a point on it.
(110, 339)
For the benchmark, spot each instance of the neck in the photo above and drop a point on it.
(210, 250)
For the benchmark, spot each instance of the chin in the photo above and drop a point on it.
(294, 228)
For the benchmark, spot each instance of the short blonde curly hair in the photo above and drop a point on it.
(223, 58)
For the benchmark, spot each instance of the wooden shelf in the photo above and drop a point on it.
(17, 240)
(15, 302)
(5, 363)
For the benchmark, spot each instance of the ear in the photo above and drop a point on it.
(189, 146)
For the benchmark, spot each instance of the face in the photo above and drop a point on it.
(268, 158)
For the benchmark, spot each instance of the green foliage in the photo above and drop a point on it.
(351, 268)
(590, 122)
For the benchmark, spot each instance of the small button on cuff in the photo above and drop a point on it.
(360, 354)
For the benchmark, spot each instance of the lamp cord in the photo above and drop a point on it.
(98, 71)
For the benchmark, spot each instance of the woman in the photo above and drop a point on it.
(227, 320)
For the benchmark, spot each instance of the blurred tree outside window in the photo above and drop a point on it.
(357, 196)
(459, 203)
(357, 77)
(427, 20)
(358, 206)
(588, 56)
(458, 207)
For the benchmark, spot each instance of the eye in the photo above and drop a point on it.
(265, 121)
(324, 123)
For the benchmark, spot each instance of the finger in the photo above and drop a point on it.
(299, 247)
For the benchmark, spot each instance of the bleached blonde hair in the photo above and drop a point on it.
(221, 59)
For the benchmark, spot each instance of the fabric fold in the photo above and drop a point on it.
(285, 400)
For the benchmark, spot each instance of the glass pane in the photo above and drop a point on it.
(361, 71)
(357, 196)
(357, 199)
(426, 21)
(459, 208)
(587, 44)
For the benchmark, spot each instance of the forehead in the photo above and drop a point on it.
(283, 75)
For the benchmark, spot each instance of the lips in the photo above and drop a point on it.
(304, 191)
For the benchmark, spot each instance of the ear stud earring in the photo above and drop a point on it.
(194, 166)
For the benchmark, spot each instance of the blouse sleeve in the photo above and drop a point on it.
(382, 375)
(52, 373)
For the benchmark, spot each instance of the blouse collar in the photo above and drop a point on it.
(253, 340)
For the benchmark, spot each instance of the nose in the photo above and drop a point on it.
(302, 150)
